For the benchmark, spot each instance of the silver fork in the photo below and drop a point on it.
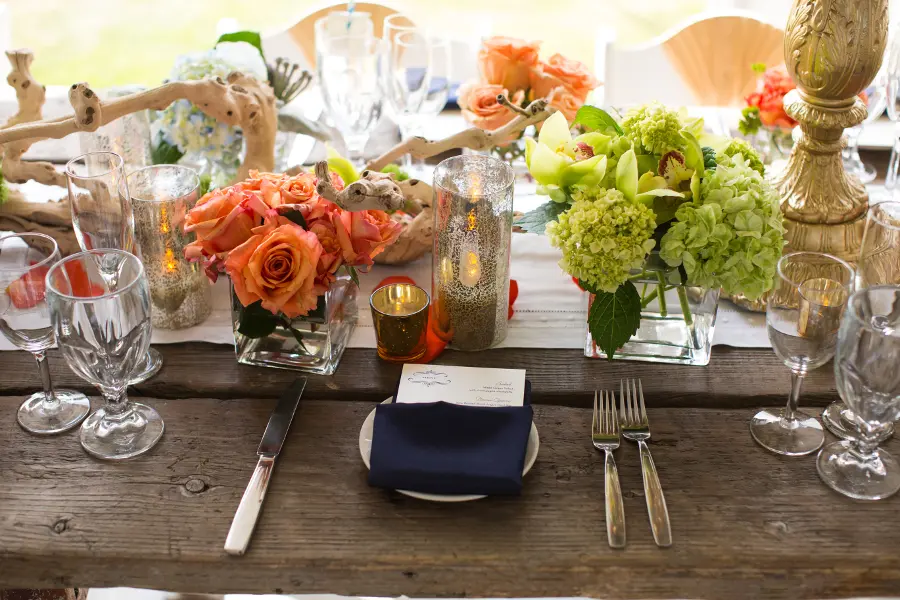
(636, 428)
(605, 436)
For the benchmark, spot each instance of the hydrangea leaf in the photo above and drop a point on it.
(593, 118)
(614, 317)
(535, 221)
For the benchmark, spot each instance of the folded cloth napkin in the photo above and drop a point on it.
(441, 448)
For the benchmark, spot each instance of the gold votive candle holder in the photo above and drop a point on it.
(400, 316)
(822, 303)
(161, 197)
(473, 213)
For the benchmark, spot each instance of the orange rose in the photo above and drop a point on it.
(769, 98)
(478, 102)
(564, 101)
(332, 253)
(279, 269)
(364, 234)
(508, 62)
(560, 71)
(222, 220)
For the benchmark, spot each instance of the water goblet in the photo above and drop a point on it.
(102, 217)
(802, 317)
(103, 327)
(878, 264)
(25, 259)
(876, 99)
(350, 70)
(865, 368)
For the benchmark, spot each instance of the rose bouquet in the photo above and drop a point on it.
(643, 200)
(512, 67)
(282, 245)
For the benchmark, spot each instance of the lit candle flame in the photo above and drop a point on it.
(171, 264)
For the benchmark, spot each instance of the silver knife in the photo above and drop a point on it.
(272, 440)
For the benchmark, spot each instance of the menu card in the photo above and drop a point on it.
(467, 386)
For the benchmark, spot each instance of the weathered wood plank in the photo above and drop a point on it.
(735, 378)
(747, 524)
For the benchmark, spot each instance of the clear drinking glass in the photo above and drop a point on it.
(25, 259)
(408, 77)
(878, 264)
(350, 70)
(103, 328)
(892, 59)
(865, 368)
(102, 218)
(876, 99)
(394, 24)
(802, 318)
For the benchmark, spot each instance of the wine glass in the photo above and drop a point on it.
(802, 317)
(876, 99)
(350, 70)
(25, 259)
(892, 59)
(103, 328)
(865, 368)
(102, 218)
(408, 77)
(878, 264)
(394, 24)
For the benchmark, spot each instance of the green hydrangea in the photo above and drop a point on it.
(618, 146)
(733, 237)
(738, 146)
(654, 129)
(602, 237)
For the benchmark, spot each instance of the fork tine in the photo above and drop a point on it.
(634, 415)
(622, 404)
(608, 412)
(615, 418)
(594, 418)
(604, 411)
(641, 396)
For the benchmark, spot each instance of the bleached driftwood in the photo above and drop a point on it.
(372, 191)
(417, 237)
(473, 138)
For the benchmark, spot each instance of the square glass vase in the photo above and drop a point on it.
(312, 344)
(678, 329)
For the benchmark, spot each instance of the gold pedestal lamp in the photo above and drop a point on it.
(832, 50)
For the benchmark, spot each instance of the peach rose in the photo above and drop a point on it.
(573, 75)
(564, 101)
(508, 62)
(222, 220)
(279, 269)
(364, 234)
(332, 253)
(478, 102)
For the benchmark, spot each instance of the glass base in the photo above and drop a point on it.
(118, 437)
(839, 421)
(152, 364)
(848, 473)
(33, 417)
(803, 435)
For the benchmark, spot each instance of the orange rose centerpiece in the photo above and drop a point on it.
(292, 257)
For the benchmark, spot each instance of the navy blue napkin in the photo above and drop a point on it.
(441, 448)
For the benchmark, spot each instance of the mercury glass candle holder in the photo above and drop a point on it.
(161, 196)
(473, 212)
(400, 316)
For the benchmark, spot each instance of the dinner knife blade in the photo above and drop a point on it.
(280, 421)
(251, 502)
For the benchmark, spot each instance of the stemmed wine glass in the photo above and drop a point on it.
(408, 77)
(802, 318)
(350, 70)
(876, 99)
(102, 218)
(878, 264)
(25, 259)
(103, 327)
(865, 367)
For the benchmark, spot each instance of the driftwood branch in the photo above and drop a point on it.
(372, 191)
(474, 138)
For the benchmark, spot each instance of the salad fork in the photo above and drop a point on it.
(605, 437)
(636, 427)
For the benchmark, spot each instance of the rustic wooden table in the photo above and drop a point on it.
(746, 523)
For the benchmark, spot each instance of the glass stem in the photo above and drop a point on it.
(116, 401)
(50, 399)
(790, 411)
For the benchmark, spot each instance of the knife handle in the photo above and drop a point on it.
(248, 510)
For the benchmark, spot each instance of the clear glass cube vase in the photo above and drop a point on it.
(313, 343)
(676, 327)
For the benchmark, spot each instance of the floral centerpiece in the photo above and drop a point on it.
(652, 201)
(764, 120)
(511, 67)
(292, 258)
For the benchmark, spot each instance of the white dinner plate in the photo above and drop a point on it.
(365, 450)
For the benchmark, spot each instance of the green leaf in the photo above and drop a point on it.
(593, 118)
(164, 153)
(256, 321)
(295, 216)
(251, 37)
(614, 317)
(205, 184)
(535, 221)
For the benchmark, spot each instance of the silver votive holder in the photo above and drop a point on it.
(161, 197)
(473, 212)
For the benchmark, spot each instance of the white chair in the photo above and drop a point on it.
(703, 62)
